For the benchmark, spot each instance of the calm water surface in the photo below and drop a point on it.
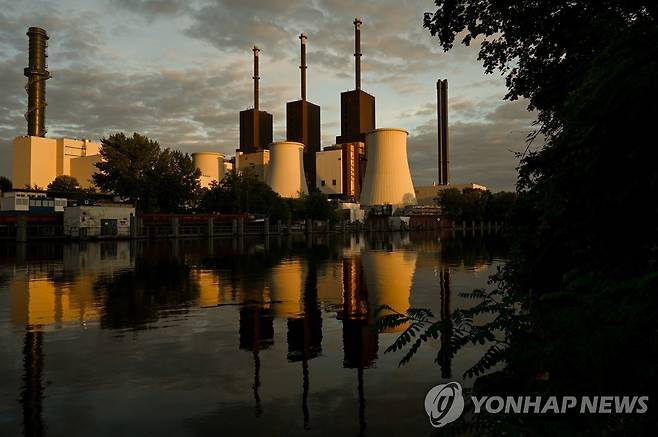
(225, 337)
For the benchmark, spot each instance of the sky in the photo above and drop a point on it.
(179, 71)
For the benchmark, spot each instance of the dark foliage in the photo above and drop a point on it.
(575, 305)
(64, 184)
(244, 193)
(476, 205)
(155, 180)
(5, 184)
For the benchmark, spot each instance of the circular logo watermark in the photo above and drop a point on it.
(444, 404)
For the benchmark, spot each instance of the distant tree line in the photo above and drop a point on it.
(476, 205)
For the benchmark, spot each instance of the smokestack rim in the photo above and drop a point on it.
(37, 30)
(393, 129)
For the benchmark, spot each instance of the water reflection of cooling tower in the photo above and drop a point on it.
(286, 288)
(388, 179)
(286, 173)
(389, 276)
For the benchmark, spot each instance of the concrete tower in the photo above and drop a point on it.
(255, 125)
(303, 122)
(286, 170)
(388, 179)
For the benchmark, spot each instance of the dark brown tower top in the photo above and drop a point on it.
(37, 73)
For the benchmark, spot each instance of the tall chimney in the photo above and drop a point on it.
(302, 67)
(256, 51)
(37, 73)
(357, 51)
(442, 122)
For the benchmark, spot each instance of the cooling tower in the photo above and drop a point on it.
(388, 179)
(286, 173)
(211, 165)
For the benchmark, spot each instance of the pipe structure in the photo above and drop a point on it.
(357, 51)
(302, 67)
(256, 77)
(442, 124)
(37, 73)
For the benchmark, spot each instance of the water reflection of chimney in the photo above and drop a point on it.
(305, 334)
(360, 342)
(256, 333)
(32, 391)
(444, 283)
(360, 337)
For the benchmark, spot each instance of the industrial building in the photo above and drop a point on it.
(255, 164)
(286, 170)
(211, 165)
(388, 179)
(303, 122)
(329, 171)
(255, 125)
(103, 220)
(357, 118)
(37, 160)
(30, 201)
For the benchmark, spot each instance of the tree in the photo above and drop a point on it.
(5, 184)
(543, 47)
(578, 296)
(64, 184)
(154, 179)
(244, 193)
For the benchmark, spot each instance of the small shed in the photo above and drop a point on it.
(98, 221)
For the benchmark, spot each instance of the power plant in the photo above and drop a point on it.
(37, 74)
(255, 125)
(286, 170)
(211, 165)
(388, 179)
(303, 122)
(38, 160)
(366, 165)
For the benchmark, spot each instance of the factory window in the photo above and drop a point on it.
(333, 182)
(322, 182)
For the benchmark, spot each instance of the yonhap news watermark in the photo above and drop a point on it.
(445, 403)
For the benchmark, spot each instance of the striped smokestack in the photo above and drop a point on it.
(37, 74)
